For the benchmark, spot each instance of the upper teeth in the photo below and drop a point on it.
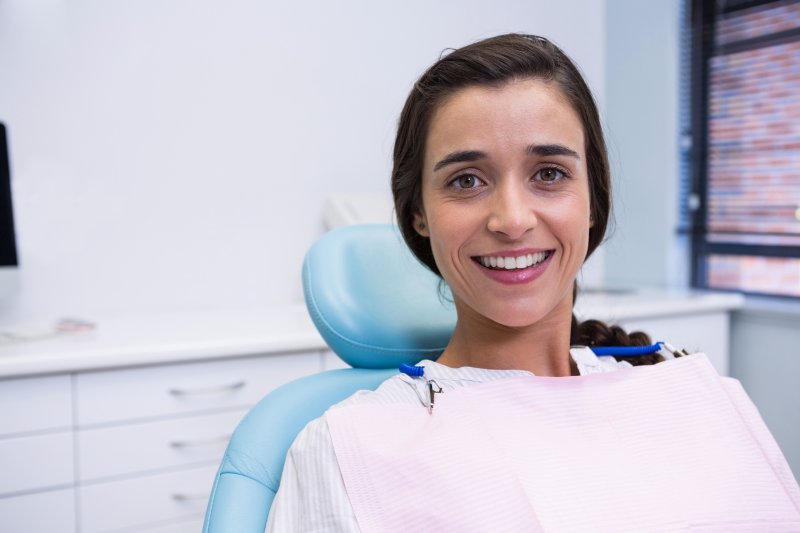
(511, 263)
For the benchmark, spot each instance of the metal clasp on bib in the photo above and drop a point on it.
(433, 387)
(432, 393)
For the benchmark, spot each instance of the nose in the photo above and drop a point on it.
(513, 211)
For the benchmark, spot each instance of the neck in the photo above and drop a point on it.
(541, 348)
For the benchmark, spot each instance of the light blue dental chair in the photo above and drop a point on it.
(376, 307)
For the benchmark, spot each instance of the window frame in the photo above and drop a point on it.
(703, 16)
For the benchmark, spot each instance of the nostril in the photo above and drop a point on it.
(512, 219)
(511, 228)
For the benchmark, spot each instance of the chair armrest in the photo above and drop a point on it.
(238, 503)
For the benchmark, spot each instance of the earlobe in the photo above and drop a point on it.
(421, 225)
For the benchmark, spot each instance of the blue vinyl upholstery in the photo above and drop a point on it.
(376, 307)
(374, 304)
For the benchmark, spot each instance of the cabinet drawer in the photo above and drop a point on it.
(35, 513)
(193, 526)
(148, 500)
(120, 395)
(35, 462)
(33, 404)
(139, 447)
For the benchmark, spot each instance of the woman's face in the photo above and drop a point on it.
(505, 196)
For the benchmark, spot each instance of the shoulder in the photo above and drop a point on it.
(397, 389)
(312, 495)
(315, 436)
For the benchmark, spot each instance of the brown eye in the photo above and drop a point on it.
(466, 181)
(550, 175)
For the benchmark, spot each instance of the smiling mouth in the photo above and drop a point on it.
(513, 262)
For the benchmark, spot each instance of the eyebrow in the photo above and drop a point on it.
(545, 150)
(542, 150)
(460, 157)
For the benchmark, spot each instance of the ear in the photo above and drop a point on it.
(421, 224)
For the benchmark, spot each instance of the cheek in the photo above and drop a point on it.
(449, 230)
(443, 239)
(572, 223)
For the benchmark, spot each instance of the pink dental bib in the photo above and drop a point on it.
(668, 447)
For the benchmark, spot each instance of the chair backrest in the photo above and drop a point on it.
(376, 306)
(371, 300)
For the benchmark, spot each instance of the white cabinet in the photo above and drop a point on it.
(36, 451)
(154, 446)
(132, 449)
(113, 396)
(35, 404)
(192, 526)
(50, 452)
(41, 512)
(145, 500)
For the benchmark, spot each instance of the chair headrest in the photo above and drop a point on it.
(371, 300)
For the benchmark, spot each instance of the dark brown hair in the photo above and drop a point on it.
(495, 62)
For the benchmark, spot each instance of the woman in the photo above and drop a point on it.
(501, 187)
(499, 156)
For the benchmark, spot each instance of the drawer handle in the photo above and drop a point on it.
(208, 390)
(200, 442)
(183, 497)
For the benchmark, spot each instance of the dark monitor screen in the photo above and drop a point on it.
(8, 246)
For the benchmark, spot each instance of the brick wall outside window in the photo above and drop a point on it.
(753, 147)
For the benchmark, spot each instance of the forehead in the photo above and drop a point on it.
(528, 111)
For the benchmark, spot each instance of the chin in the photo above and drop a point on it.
(515, 319)
(514, 312)
(523, 312)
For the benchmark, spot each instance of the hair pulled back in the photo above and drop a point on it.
(494, 62)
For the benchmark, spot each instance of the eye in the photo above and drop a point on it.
(551, 175)
(466, 181)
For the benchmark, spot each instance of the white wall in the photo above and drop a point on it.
(766, 358)
(642, 82)
(175, 154)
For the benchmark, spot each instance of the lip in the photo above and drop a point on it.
(517, 276)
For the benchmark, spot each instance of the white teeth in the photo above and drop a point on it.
(512, 263)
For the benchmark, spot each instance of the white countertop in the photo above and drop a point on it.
(153, 339)
(173, 338)
(652, 303)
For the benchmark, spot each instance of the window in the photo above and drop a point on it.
(742, 203)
